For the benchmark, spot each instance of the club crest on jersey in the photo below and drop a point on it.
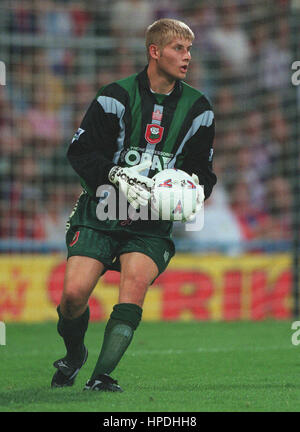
(154, 133)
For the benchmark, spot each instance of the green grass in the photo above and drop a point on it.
(170, 366)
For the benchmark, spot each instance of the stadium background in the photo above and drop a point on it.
(243, 264)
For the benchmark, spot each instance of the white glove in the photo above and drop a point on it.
(136, 187)
(199, 199)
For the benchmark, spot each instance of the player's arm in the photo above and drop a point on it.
(198, 153)
(93, 146)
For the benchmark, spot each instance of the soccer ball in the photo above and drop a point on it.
(174, 195)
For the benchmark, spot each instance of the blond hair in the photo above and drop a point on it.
(164, 30)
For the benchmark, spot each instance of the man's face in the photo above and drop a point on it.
(174, 58)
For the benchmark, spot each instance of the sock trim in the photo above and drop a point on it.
(130, 313)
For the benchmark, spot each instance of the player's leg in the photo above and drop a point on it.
(88, 252)
(137, 273)
(81, 276)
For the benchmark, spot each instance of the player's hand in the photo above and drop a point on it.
(199, 199)
(136, 187)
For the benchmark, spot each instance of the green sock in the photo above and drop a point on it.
(72, 332)
(117, 336)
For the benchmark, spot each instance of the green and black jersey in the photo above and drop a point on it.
(126, 124)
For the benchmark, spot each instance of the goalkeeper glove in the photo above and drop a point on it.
(136, 187)
(199, 199)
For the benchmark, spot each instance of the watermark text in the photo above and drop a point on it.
(296, 75)
(2, 333)
(176, 207)
(2, 73)
(296, 334)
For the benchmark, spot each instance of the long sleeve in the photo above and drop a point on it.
(93, 145)
(197, 155)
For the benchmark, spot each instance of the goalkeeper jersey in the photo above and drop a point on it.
(127, 123)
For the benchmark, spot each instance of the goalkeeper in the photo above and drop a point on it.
(133, 128)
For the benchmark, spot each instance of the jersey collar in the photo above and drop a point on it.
(145, 86)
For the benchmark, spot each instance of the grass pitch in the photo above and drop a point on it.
(169, 366)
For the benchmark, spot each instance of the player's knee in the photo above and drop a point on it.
(137, 281)
(134, 290)
(72, 301)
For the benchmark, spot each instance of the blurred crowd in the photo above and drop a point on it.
(59, 53)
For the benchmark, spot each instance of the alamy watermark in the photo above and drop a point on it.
(2, 333)
(296, 334)
(113, 207)
(2, 73)
(296, 75)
